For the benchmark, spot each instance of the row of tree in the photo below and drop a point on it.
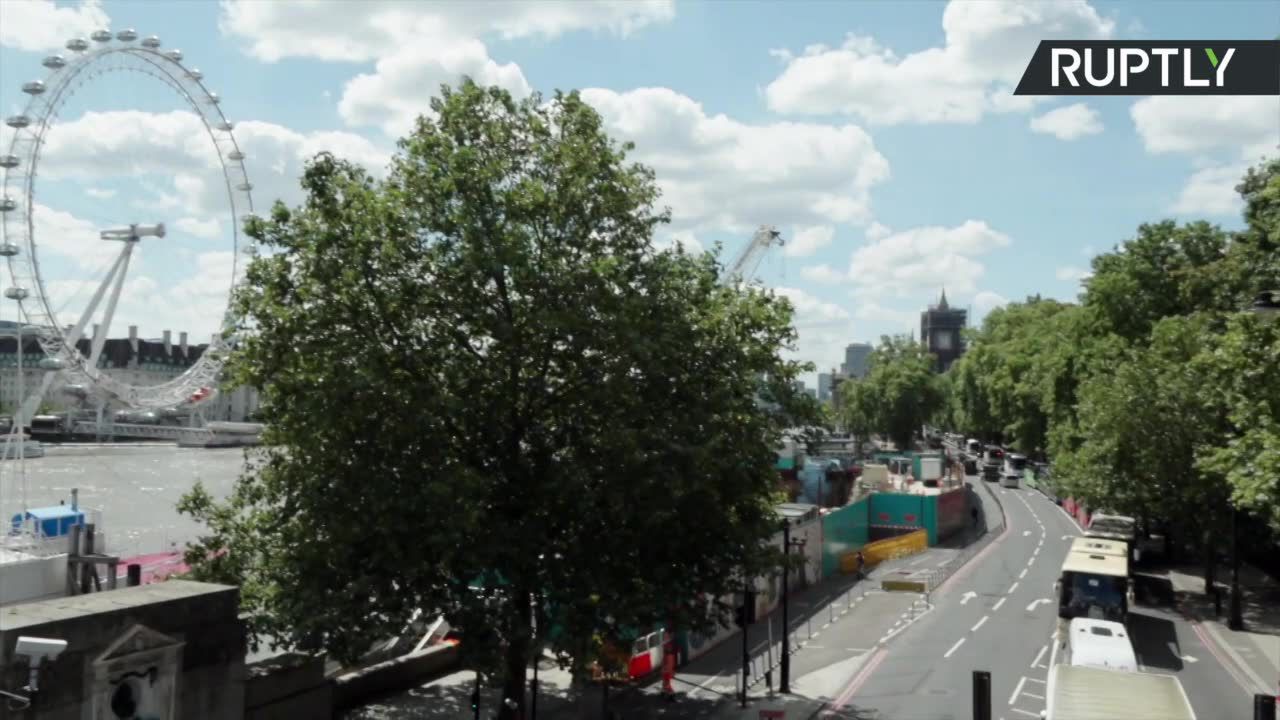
(1156, 394)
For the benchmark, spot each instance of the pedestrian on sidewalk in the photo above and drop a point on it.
(862, 562)
(668, 670)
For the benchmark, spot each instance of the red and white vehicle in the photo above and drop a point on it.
(647, 653)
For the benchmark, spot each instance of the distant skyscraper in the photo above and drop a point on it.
(824, 386)
(940, 332)
(856, 356)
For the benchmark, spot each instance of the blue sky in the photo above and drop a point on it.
(880, 137)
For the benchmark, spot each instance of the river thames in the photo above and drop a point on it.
(136, 486)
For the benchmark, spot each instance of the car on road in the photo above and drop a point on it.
(1010, 480)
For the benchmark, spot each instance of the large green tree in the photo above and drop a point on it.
(899, 394)
(480, 372)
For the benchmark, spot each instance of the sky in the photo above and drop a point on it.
(881, 138)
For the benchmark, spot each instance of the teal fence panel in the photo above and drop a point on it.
(843, 530)
(929, 506)
(898, 510)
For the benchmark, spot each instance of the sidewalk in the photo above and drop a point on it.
(1254, 651)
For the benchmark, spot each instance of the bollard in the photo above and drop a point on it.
(1264, 707)
(135, 574)
(981, 695)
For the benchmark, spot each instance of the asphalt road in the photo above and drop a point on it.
(998, 614)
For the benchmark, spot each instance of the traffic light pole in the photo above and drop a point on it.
(746, 651)
(475, 698)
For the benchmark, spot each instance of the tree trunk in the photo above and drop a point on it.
(516, 662)
(1210, 562)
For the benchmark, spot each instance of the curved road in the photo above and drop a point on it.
(998, 614)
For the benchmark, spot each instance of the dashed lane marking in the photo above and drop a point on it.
(1016, 690)
(1012, 588)
(1022, 574)
(980, 623)
(998, 604)
(1039, 655)
(953, 648)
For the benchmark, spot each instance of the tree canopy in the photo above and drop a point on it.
(898, 395)
(480, 373)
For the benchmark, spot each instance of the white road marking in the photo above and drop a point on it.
(944, 562)
(1017, 689)
(1042, 682)
(998, 604)
(1012, 588)
(1034, 603)
(1022, 574)
(1039, 655)
(954, 648)
(967, 597)
(980, 622)
(704, 685)
(1026, 533)
(1024, 712)
(1031, 694)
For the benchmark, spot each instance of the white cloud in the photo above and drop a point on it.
(403, 83)
(875, 231)
(131, 145)
(805, 241)
(986, 49)
(208, 229)
(898, 264)
(718, 173)
(1244, 126)
(99, 193)
(1071, 272)
(895, 321)
(36, 25)
(823, 328)
(364, 31)
(822, 274)
(983, 303)
(1211, 191)
(1069, 122)
(64, 235)
(419, 46)
(683, 238)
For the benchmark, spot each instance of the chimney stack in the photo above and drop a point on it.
(182, 342)
(168, 343)
(133, 338)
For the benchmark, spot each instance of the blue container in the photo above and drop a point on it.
(53, 521)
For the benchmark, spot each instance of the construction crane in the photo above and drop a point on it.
(747, 261)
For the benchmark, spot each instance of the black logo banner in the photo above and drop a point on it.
(1157, 67)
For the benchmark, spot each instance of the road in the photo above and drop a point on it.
(999, 614)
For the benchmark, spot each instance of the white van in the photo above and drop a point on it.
(1099, 644)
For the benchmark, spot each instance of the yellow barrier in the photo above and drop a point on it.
(902, 586)
(874, 553)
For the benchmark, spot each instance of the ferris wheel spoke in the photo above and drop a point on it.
(100, 337)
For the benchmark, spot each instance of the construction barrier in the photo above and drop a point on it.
(915, 586)
(877, 552)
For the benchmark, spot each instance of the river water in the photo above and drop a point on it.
(136, 486)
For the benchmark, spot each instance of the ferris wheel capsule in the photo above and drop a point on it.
(16, 293)
(226, 126)
(127, 35)
(17, 121)
(101, 36)
(8, 162)
(54, 62)
(174, 55)
(151, 43)
(8, 249)
(35, 87)
(7, 203)
(235, 155)
(195, 74)
(77, 45)
(214, 99)
(244, 187)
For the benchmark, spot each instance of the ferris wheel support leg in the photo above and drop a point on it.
(100, 338)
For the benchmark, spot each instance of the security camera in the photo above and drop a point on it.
(38, 650)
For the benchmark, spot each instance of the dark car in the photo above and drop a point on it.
(991, 471)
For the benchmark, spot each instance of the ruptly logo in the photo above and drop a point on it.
(1167, 67)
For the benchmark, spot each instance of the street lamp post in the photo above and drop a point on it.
(1266, 306)
(784, 685)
